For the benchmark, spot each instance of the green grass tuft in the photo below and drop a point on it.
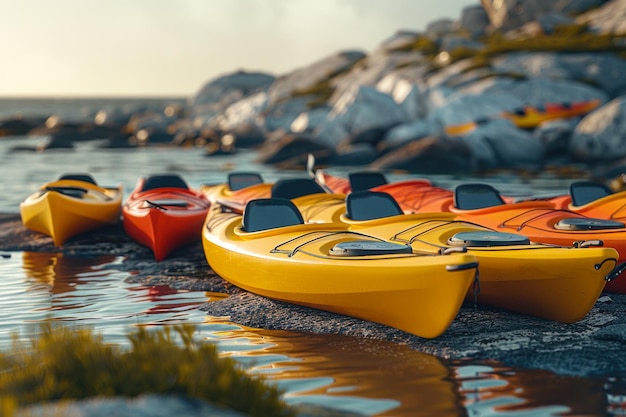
(65, 363)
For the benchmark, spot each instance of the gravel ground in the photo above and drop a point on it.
(593, 346)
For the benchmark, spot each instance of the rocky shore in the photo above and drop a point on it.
(593, 346)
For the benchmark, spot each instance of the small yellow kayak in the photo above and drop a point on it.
(72, 205)
(551, 282)
(270, 251)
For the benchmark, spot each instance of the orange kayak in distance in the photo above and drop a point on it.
(531, 117)
(163, 213)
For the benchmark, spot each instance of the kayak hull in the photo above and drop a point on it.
(165, 219)
(62, 216)
(554, 283)
(414, 293)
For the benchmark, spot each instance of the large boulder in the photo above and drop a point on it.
(463, 108)
(405, 85)
(602, 69)
(243, 113)
(223, 91)
(601, 135)
(510, 14)
(541, 91)
(364, 108)
(309, 80)
(291, 149)
(408, 132)
(474, 20)
(608, 18)
(511, 147)
(430, 155)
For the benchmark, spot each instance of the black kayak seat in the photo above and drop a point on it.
(270, 213)
(240, 180)
(163, 203)
(290, 188)
(584, 192)
(75, 192)
(164, 181)
(487, 238)
(365, 180)
(586, 223)
(78, 177)
(370, 205)
(476, 196)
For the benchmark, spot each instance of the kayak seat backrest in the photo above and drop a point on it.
(476, 196)
(240, 180)
(164, 181)
(290, 188)
(366, 180)
(270, 213)
(584, 192)
(78, 177)
(370, 205)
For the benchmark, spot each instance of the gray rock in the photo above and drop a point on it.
(604, 70)
(539, 91)
(548, 22)
(291, 149)
(225, 90)
(463, 108)
(474, 19)
(245, 112)
(408, 132)
(512, 147)
(429, 155)
(555, 135)
(601, 135)
(509, 14)
(604, 16)
(407, 89)
(306, 78)
(365, 107)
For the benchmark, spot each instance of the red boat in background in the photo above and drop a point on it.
(163, 213)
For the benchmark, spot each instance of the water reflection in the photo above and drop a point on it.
(347, 373)
(373, 377)
(496, 390)
(87, 291)
(58, 272)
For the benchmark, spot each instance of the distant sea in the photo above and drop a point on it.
(77, 106)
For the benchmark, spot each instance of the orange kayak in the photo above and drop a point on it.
(163, 213)
(548, 281)
(413, 196)
(237, 198)
(539, 221)
(531, 117)
(592, 199)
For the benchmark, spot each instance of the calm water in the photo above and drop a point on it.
(370, 377)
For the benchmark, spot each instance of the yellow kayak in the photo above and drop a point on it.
(551, 282)
(72, 205)
(271, 251)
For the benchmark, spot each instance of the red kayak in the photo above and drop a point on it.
(164, 214)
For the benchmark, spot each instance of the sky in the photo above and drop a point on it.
(150, 48)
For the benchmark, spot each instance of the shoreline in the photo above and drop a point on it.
(592, 347)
